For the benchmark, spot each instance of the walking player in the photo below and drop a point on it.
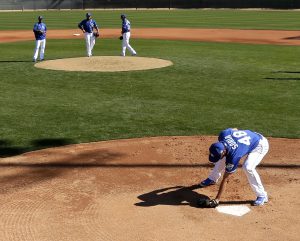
(232, 146)
(87, 26)
(126, 36)
(39, 30)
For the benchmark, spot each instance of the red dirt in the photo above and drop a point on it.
(132, 190)
(207, 35)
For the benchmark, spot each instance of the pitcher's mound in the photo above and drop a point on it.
(104, 64)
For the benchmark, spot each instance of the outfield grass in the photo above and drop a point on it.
(211, 86)
(236, 19)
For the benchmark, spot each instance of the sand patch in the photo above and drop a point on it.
(104, 64)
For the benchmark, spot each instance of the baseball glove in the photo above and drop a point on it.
(121, 37)
(96, 34)
(207, 203)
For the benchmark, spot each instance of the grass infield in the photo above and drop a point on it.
(211, 86)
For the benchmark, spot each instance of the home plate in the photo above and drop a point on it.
(236, 210)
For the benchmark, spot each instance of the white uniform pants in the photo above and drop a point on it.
(39, 45)
(126, 45)
(252, 160)
(90, 41)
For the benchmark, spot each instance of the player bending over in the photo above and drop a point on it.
(233, 144)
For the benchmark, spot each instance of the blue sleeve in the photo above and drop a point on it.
(80, 25)
(95, 24)
(232, 163)
(224, 133)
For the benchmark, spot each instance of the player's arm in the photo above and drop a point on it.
(96, 27)
(222, 186)
(80, 25)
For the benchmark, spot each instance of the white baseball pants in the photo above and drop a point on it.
(90, 41)
(126, 45)
(252, 160)
(39, 45)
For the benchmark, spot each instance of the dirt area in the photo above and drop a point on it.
(207, 35)
(104, 64)
(135, 190)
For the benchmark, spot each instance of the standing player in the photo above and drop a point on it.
(126, 36)
(87, 26)
(232, 146)
(39, 30)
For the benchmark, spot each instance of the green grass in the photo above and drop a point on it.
(211, 86)
(236, 19)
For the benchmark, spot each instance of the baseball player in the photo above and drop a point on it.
(126, 36)
(87, 26)
(39, 30)
(233, 144)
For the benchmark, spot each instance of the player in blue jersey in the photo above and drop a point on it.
(233, 144)
(88, 26)
(126, 36)
(39, 30)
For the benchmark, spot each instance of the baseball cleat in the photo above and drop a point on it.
(207, 182)
(260, 201)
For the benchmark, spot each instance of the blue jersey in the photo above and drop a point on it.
(238, 144)
(125, 26)
(40, 30)
(88, 25)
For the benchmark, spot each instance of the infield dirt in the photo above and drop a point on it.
(136, 190)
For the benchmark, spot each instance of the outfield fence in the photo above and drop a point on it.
(138, 4)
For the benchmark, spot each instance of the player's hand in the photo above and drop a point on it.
(208, 203)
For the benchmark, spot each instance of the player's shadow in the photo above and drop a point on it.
(177, 195)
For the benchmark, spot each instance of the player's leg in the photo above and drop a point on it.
(88, 44)
(43, 46)
(253, 159)
(215, 174)
(36, 50)
(128, 46)
(124, 44)
(93, 42)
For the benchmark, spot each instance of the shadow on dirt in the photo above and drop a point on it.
(236, 202)
(293, 38)
(177, 195)
(7, 149)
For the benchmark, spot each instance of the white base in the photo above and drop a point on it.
(236, 210)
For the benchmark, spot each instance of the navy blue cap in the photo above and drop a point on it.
(40, 17)
(88, 15)
(123, 16)
(215, 151)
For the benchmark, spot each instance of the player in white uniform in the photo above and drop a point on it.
(87, 26)
(39, 30)
(232, 146)
(126, 36)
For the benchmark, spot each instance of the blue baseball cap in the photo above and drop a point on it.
(215, 151)
(123, 16)
(40, 17)
(88, 15)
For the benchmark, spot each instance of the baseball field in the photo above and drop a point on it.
(88, 155)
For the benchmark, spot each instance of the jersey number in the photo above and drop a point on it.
(243, 138)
